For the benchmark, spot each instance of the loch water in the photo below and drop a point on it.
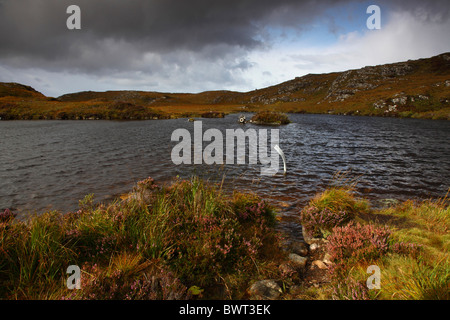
(51, 165)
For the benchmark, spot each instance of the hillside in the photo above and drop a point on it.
(18, 90)
(415, 88)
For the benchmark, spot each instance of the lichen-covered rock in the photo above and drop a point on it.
(265, 289)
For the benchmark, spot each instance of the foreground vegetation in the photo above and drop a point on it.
(181, 241)
(409, 242)
(190, 240)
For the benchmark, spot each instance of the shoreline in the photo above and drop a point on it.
(419, 116)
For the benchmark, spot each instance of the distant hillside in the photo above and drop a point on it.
(18, 90)
(419, 89)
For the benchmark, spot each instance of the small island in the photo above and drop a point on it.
(270, 118)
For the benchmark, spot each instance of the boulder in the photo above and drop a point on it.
(327, 259)
(298, 262)
(314, 247)
(300, 248)
(265, 289)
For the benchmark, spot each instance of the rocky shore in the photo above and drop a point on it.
(307, 263)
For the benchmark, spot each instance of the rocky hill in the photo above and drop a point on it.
(415, 88)
(407, 87)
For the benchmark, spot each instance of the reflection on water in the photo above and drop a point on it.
(53, 164)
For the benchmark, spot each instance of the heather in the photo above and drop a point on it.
(178, 241)
(355, 242)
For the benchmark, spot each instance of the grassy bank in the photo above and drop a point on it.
(186, 240)
(409, 242)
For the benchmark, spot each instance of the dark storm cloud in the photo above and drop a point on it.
(118, 31)
(140, 34)
(167, 23)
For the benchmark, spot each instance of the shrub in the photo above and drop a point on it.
(355, 242)
(7, 216)
(333, 207)
(212, 235)
(117, 285)
(249, 207)
(318, 223)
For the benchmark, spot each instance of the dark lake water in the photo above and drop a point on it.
(50, 165)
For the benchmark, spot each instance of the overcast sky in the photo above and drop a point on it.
(199, 45)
